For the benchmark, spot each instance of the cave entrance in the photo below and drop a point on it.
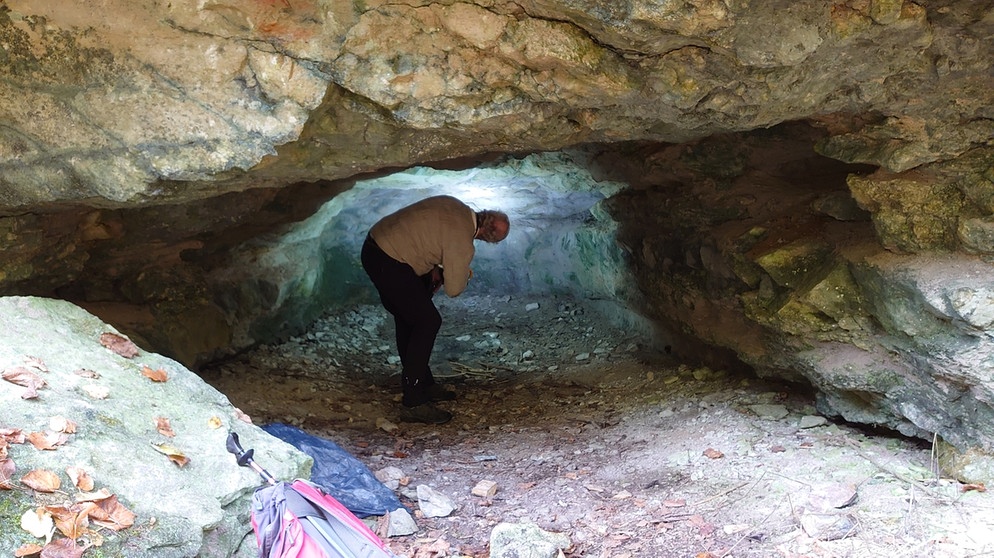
(654, 237)
(561, 240)
(581, 422)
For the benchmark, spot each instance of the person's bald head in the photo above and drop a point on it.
(492, 226)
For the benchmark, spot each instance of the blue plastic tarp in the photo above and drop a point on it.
(340, 474)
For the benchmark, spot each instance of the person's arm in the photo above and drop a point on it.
(455, 266)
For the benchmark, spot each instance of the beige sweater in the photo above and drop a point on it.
(434, 231)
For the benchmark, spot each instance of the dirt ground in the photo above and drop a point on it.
(588, 432)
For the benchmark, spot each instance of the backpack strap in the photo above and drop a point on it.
(332, 525)
(268, 505)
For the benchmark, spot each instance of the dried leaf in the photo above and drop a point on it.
(214, 423)
(29, 549)
(7, 469)
(117, 515)
(24, 377)
(72, 521)
(438, 547)
(62, 424)
(242, 416)
(36, 363)
(97, 496)
(703, 526)
(163, 427)
(979, 487)
(94, 538)
(80, 478)
(12, 435)
(41, 480)
(47, 440)
(119, 344)
(711, 453)
(174, 454)
(155, 375)
(63, 548)
(86, 373)
(38, 522)
(41, 441)
(676, 503)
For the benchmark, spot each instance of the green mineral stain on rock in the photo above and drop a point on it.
(911, 215)
(13, 504)
(837, 295)
(886, 12)
(792, 263)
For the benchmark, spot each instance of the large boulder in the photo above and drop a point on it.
(146, 430)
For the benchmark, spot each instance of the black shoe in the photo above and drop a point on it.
(437, 392)
(426, 413)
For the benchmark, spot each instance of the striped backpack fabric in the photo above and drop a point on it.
(298, 520)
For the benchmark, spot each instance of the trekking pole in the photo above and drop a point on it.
(245, 458)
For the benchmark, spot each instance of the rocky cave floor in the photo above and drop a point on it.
(586, 432)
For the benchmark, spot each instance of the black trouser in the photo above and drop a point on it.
(408, 297)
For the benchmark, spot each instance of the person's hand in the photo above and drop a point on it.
(437, 278)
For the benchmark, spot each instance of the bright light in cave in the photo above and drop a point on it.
(558, 243)
(477, 196)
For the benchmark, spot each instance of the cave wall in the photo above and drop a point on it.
(755, 243)
(151, 150)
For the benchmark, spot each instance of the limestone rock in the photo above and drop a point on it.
(770, 412)
(200, 508)
(910, 214)
(518, 540)
(433, 503)
(977, 234)
(829, 527)
(973, 465)
(811, 421)
(401, 523)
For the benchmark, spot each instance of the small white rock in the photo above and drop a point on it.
(812, 421)
(433, 503)
(385, 425)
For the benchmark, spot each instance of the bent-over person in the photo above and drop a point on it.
(408, 256)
